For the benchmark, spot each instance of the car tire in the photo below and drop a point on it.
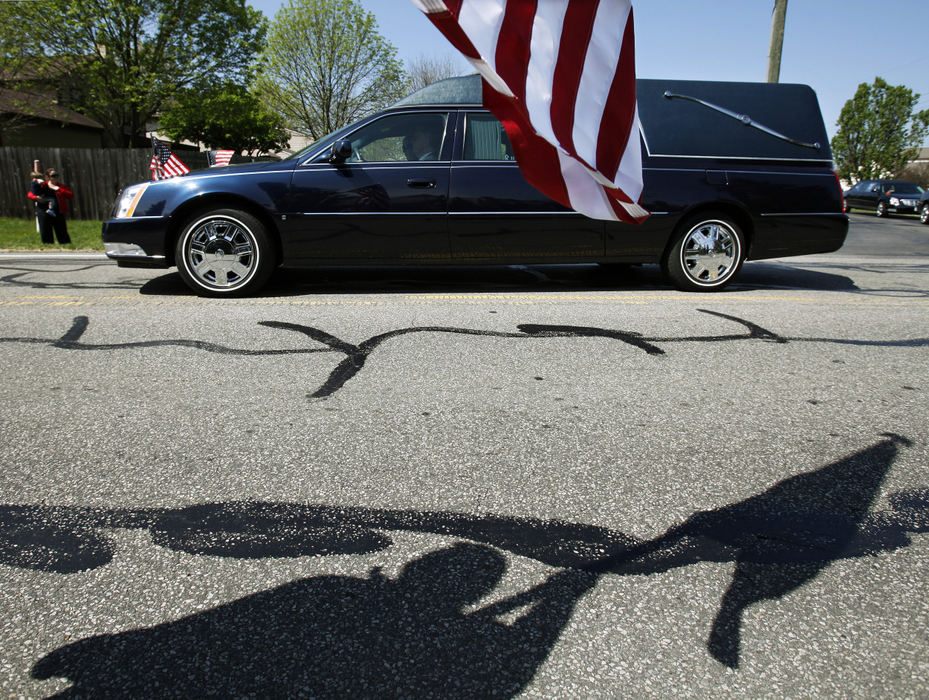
(707, 253)
(881, 209)
(224, 253)
(924, 213)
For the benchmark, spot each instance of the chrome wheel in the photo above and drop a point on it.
(881, 209)
(710, 252)
(221, 253)
(224, 252)
(707, 255)
(924, 213)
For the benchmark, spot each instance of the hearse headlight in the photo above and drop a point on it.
(894, 202)
(128, 200)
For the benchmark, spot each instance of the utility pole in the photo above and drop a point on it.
(777, 40)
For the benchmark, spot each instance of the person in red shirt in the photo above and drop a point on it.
(58, 223)
(64, 195)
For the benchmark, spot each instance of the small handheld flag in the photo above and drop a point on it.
(219, 158)
(164, 163)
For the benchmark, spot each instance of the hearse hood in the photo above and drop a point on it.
(241, 168)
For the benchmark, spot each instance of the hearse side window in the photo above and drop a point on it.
(485, 138)
(400, 137)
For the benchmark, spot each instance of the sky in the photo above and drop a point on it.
(830, 45)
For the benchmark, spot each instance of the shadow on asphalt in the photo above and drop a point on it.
(355, 354)
(498, 279)
(419, 634)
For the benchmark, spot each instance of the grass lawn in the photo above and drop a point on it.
(20, 234)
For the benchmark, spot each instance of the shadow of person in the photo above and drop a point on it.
(326, 636)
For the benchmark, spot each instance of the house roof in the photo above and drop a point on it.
(41, 107)
(39, 68)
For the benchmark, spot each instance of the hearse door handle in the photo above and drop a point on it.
(420, 182)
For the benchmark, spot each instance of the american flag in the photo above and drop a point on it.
(217, 158)
(164, 163)
(560, 76)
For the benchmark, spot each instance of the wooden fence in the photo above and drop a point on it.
(95, 174)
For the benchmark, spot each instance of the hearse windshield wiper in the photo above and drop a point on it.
(744, 118)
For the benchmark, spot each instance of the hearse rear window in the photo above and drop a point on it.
(731, 120)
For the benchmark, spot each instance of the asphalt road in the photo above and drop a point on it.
(548, 481)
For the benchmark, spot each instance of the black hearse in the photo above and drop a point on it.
(732, 171)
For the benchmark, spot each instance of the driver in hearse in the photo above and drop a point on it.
(422, 144)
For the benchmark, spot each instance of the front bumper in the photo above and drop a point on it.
(906, 206)
(138, 242)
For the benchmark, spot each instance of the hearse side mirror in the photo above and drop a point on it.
(341, 151)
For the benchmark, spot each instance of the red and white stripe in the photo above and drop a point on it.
(164, 163)
(220, 158)
(560, 76)
(170, 168)
(174, 167)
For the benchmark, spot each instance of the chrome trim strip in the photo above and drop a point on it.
(115, 256)
(805, 213)
(452, 213)
(744, 118)
(367, 213)
(437, 213)
(387, 164)
(514, 213)
(791, 173)
(644, 138)
(535, 213)
(766, 159)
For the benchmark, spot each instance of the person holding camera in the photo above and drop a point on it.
(52, 202)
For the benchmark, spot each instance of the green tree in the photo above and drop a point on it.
(326, 66)
(879, 131)
(133, 56)
(224, 116)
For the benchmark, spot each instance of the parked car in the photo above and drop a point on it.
(884, 197)
(732, 171)
(924, 208)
